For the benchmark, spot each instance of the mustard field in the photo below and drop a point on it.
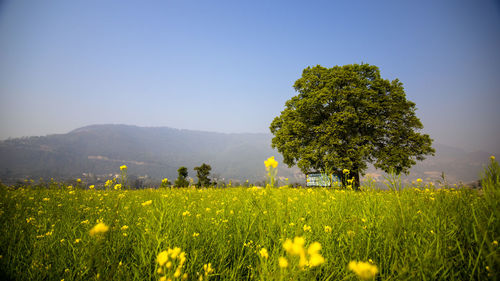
(419, 233)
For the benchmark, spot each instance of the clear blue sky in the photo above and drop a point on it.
(229, 66)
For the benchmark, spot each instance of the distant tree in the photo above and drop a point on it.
(345, 117)
(202, 172)
(181, 180)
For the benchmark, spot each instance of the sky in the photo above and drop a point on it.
(229, 66)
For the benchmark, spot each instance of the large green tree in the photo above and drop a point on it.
(345, 117)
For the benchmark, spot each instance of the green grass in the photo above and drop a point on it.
(414, 234)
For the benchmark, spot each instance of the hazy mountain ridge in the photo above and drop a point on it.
(159, 151)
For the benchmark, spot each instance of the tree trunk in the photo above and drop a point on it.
(341, 176)
(355, 174)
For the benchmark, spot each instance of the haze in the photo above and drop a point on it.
(229, 66)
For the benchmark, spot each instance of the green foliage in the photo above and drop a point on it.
(348, 116)
(202, 172)
(393, 181)
(490, 181)
(490, 178)
(181, 180)
(414, 234)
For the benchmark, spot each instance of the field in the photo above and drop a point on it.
(418, 233)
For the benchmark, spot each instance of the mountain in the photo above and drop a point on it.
(457, 166)
(159, 151)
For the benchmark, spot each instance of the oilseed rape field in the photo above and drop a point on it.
(420, 232)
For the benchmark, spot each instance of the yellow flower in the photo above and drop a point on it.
(314, 248)
(91, 187)
(77, 240)
(492, 158)
(315, 260)
(328, 229)
(303, 261)
(108, 183)
(363, 270)
(118, 186)
(182, 257)
(164, 181)
(270, 162)
(162, 258)
(296, 247)
(263, 253)
(495, 243)
(287, 245)
(175, 252)
(125, 227)
(345, 171)
(147, 203)
(208, 268)
(300, 241)
(306, 228)
(99, 228)
(177, 273)
(196, 234)
(78, 180)
(123, 168)
(283, 262)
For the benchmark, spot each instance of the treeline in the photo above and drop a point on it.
(125, 181)
(204, 179)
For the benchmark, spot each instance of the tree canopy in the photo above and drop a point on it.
(203, 172)
(345, 117)
(181, 180)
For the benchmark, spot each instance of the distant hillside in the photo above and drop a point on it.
(158, 152)
(457, 165)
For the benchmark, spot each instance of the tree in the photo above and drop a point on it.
(345, 117)
(181, 179)
(203, 172)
